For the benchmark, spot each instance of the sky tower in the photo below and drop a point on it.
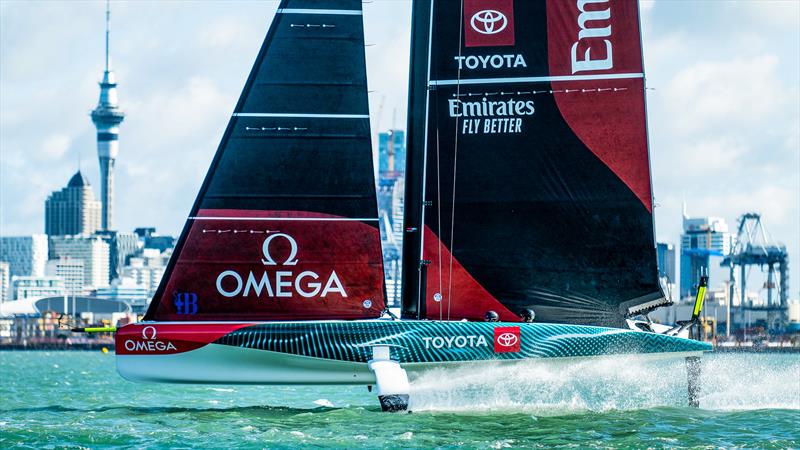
(106, 117)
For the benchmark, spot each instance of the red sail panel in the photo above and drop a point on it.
(602, 38)
(447, 276)
(275, 265)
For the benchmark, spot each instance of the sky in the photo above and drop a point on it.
(723, 103)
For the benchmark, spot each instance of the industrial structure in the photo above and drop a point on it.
(753, 247)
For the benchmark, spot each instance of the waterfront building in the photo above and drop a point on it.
(107, 117)
(702, 238)
(92, 250)
(666, 268)
(5, 280)
(25, 255)
(126, 290)
(147, 269)
(71, 271)
(72, 210)
(392, 153)
(34, 287)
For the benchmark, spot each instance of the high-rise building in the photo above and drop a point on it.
(71, 271)
(25, 255)
(123, 245)
(702, 238)
(392, 153)
(666, 261)
(666, 267)
(92, 250)
(152, 239)
(5, 280)
(72, 210)
(107, 117)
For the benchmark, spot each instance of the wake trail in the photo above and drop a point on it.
(729, 382)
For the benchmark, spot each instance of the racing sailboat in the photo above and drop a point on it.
(528, 203)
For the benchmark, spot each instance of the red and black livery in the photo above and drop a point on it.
(528, 174)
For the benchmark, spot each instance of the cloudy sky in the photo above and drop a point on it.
(723, 103)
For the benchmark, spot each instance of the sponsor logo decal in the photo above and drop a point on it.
(459, 341)
(471, 62)
(149, 333)
(591, 36)
(291, 260)
(185, 303)
(485, 116)
(488, 23)
(149, 343)
(506, 339)
(279, 283)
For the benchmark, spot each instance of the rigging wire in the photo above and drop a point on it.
(439, 207)
(455, 165)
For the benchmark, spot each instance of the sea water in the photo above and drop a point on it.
(76, 400)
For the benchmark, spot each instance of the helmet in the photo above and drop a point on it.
(528, 315)
(491, 316)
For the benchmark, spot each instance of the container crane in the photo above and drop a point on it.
(754, 248)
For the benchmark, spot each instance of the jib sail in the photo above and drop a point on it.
(529, 183)
(285, 225)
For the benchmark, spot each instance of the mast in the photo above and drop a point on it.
(416, 139)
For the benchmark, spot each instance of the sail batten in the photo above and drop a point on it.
(305, 115)
(610, 76)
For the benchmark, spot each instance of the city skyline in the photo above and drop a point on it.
(723, 106)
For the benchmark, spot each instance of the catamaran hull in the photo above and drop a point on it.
(339, 352)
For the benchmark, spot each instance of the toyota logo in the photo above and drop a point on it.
(507, 339)
(149, 333)
(488, 21)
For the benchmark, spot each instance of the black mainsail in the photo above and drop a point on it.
(285, 225)
(528, 172)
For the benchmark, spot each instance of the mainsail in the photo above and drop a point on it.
(528, 174)
(285, 226)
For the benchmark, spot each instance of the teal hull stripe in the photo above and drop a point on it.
(433, 341)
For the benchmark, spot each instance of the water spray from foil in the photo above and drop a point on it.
(741, 381)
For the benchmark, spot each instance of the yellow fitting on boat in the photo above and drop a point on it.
(95, 330)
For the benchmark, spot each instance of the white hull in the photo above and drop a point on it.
(224, 364)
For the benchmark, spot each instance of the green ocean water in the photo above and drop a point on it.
(76, 400)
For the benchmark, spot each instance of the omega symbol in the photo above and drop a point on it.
(291, 260)
(149, 333)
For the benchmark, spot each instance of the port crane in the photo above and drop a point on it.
(753, 247)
